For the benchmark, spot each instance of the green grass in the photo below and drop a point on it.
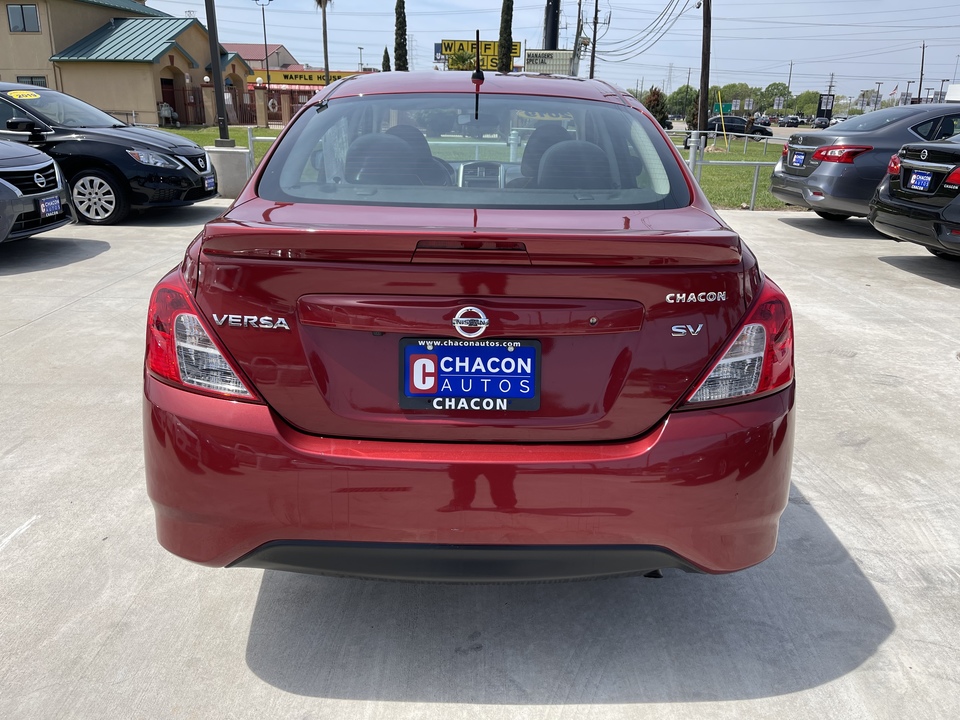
(206, 136)
(729, 187)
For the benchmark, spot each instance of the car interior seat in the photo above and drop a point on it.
(381, 159)
(430, 170)
(541, 139)
(575, 165)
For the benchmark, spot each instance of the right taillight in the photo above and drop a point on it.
(893, 167)
(181, 351)
(954, 177)
(784, 153)
(759, 360)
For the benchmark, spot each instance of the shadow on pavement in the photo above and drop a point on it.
(46, 252)
(803, 618)
(945, 272)
(179, 217)
(854, 228)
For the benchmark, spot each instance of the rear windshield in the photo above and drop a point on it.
(876, 120)
(438, 150)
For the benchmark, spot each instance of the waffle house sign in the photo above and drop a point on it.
(297, 77)
(489, 51)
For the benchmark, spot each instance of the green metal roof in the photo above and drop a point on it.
(129, 40)
(127, 6)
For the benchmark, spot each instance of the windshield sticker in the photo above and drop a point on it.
(23, 94)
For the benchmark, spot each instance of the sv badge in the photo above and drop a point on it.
(684, 330)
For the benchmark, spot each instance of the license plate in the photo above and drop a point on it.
(797, 159)
(50, 206)
(449, 375)
(920, 180)
(209, 183)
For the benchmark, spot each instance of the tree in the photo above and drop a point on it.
(505, 56)
(322, 4)
(400, 39)
(770, 94)
(656, 103)
(386, 61)
(693, 111)
(806, 103)
(461, 60)
(678, 102)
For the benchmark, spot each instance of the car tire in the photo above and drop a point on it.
(832, 217)
(943, 255)
(99, 198)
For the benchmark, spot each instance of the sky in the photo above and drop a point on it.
(640, 44)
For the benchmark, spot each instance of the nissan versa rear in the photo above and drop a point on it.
(486, 333)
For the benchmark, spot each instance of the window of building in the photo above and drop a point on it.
(38, 80)
(23, 18)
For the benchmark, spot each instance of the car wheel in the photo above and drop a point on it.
(99, 198)
(833, 217)
(942, 255)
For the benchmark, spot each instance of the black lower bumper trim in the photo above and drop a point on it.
(461, 563)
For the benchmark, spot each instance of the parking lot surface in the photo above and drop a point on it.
(857, 615)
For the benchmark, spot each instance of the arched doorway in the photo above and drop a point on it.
(173, 106)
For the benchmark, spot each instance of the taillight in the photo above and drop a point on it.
(954, 177)
(893, 167)
(759, 360)
(784, 153)
(840, 153)
(181, 351)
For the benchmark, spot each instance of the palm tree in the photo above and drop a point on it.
(505, 59)
(462, 60)
(322, 4)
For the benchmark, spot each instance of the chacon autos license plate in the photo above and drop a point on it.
(50, 206)
(209, 182)
(920, 180)
(452, 375)
(797, 159)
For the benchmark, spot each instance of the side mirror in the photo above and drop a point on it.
(21, 124)
(316, 160)
(26, 125)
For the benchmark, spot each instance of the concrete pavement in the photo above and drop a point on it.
(857, 615)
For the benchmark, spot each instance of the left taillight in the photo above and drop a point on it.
(840, 153)
(759, 359)
(182, 352)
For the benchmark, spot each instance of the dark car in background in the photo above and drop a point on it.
(112, 168)
(34, 196)
(789, 121)
(732, 125)
(396, 358)
(835, 171)
(820, 123)
(919, 199)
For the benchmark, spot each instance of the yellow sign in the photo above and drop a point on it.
(23, 94)
(298, 77)
(487, 49)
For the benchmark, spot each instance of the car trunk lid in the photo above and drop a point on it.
(610, 317)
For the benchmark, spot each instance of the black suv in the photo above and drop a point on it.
(112, 168)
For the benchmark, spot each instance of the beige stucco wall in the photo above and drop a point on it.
(62, 23)
(117, 88)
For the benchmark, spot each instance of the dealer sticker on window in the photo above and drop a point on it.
(453, 375)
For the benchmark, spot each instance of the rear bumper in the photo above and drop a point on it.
(845, 193)
(909, 223)
(232, 484)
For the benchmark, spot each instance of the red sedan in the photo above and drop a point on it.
(459, 332)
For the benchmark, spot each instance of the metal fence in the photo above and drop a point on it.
(697, 146)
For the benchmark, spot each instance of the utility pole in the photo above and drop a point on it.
(686, 92)
(790, 77)
(593, 45)
(923, 52)
(876, 102)
(705, 67)
(224, 140)
(830, 86)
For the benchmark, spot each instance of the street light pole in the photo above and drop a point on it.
(360, 69)
(942, 83)
(266, 57)
(907, 96)
(217, 72)
(876, 103)
(705, 66)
